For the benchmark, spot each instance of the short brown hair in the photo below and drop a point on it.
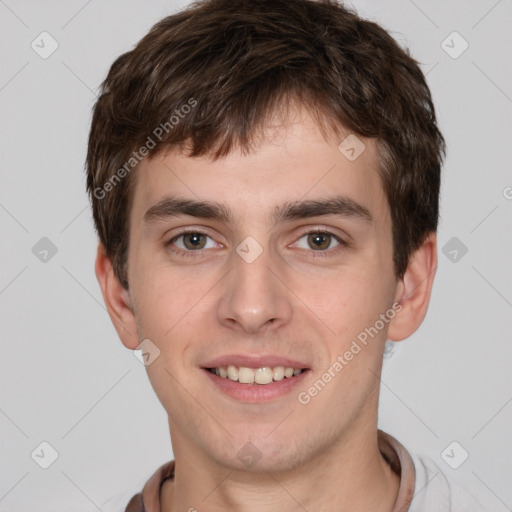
(237, 62)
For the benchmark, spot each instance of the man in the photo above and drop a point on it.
(264, 177)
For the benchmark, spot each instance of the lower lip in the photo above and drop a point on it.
(256, 393)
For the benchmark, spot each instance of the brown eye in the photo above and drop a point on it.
(190, 241)
(194, 241)
(319, 241)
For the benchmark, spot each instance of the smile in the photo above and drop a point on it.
(262, 376)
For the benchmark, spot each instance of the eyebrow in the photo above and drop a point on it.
(339, 206)
(174, 207)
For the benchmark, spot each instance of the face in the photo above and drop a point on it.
(276, 259)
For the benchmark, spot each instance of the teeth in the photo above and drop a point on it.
(232, 372)
(278, 373)
(245, 375)
(288, 372)
(264, 375)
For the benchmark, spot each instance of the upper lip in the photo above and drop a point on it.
(254, 361)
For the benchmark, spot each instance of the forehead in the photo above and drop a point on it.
(293, 159)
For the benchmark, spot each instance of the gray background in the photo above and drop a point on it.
(66, 379)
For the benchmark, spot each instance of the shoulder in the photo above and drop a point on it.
(136, 504)
(145, 500)
(435, 491)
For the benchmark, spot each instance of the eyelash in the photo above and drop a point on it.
(181, 252)
(201, 252)
(327, 252)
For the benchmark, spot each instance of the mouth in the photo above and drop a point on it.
(259, 376)
(255, 379)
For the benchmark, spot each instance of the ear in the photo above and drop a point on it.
(414, 290)
(117, 299)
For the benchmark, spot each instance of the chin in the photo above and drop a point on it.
(262, 455)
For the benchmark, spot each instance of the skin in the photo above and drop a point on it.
(289, 301)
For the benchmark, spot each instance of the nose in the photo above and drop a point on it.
(254, 297)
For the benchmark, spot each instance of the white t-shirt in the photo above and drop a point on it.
(433, 492)
(424, 486)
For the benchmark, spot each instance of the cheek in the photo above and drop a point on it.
(173, 311)
(353, 302)
(161, 306)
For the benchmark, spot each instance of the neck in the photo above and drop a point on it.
(352, 476)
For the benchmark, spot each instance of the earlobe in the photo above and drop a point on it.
(117, 300)
(414, 290)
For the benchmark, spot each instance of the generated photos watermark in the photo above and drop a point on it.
(137, 156)
(304, 397)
